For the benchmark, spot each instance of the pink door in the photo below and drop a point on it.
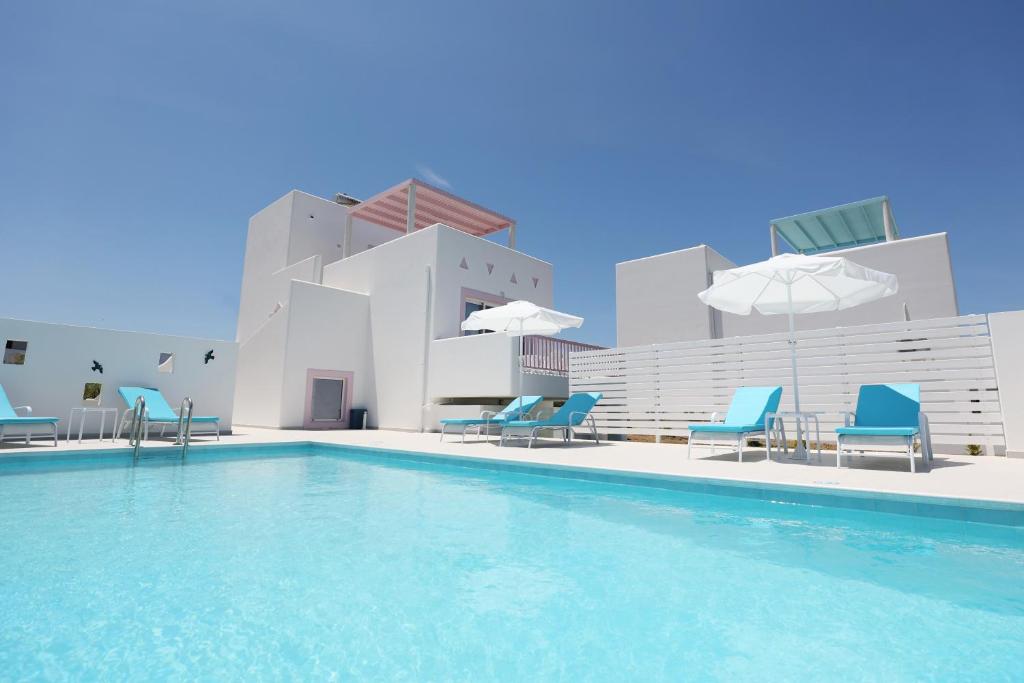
(328, 398)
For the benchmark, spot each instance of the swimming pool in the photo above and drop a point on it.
(313, 562)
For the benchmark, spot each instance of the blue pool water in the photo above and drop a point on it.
(336, 564)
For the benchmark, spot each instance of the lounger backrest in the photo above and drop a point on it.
(156, 406)
(888, 405)
(575, 409)
(6, 409)
(528, 403)
(750, 404)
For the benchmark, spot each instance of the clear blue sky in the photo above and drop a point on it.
(137, 138)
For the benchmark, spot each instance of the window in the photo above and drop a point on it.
(166, 363)
(91, 393)
(470, 306)
(14, 352)
(328, 400)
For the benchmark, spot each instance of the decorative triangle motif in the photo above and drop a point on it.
(535, 281)
(463, 264)
(490, 268)
(514, 280)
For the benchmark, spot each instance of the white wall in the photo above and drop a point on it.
(395, 276)
(317, 228)
(266, 251)
(328, 329)
(60, 357)
(366, 235)
(656, 297)
(260, 376)
(268, 294)
(1007, 331)
(485, 366)
(453, 246)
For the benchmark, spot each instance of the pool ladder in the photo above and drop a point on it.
(137, 430)
(185, 425)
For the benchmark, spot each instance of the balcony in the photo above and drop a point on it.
(487, 365)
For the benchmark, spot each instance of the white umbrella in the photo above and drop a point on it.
(518, 318)
(794, 283)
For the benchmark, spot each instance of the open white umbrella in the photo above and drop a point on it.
(794, 283)
(518, 318)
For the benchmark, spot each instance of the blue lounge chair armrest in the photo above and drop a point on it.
(714, 417)
(488, 414)
(849, 417)
(27, 409)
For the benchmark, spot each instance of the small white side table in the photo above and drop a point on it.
(804, 417)
(85, 411)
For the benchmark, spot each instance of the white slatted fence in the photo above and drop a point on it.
(659, 389)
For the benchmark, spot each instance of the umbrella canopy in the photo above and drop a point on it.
(794, 283)
(518, 318)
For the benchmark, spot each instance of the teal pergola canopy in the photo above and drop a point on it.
(840, 227)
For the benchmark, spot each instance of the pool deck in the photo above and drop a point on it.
(988, 478)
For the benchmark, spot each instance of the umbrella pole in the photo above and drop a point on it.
(520, 361)
(801, 452)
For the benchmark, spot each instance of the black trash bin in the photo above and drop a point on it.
(357, 418)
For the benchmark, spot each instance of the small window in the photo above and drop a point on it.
(91, 393)
(470, 306)
(328, 399)
(14, 352)
(166, 363)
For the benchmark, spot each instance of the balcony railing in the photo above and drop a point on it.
(549, 355)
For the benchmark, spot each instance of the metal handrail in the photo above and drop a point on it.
(185, 419)
(136, 429)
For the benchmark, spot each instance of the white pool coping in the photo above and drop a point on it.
(979, 478)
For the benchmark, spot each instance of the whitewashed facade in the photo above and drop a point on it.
(384, 319)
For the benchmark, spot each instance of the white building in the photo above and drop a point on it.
(656, 297)
(358, 304)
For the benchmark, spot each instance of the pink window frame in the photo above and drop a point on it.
(476, 295)
(346, 400)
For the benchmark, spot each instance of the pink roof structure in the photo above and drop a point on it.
(413, 205)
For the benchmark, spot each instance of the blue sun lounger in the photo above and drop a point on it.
(747, 417)
(886, 414)
(520, 407)
(9, 418)
(158, 411)
(573, 413)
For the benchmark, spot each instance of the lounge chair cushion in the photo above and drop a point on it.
(877, 431)
(195, 418)
(28, 420)
(157, 408)
(719, 428)
(498, 419)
